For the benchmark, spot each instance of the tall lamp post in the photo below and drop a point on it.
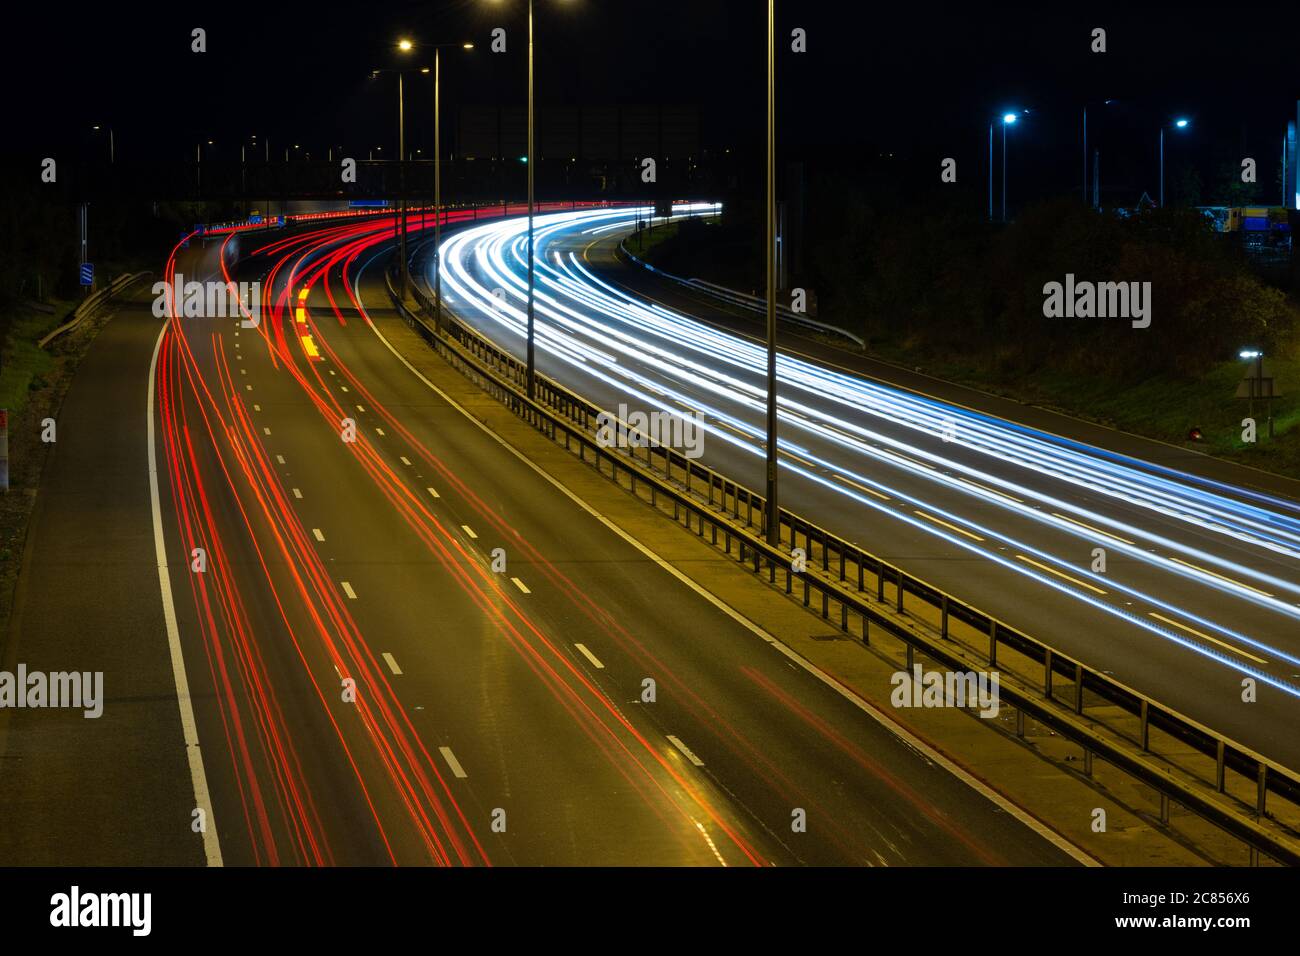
(1178, 124)
(530, 161)
(437, 178)
(773, 504)
(111, 150)
(1008, 119)
(406, 46)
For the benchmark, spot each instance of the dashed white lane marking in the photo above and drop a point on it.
(297, 493)
(405, 460)
(468, 530)
(320, 535)
(434, 492)
(266, 431)
(360, 408)
(595, 662)
(248, 388)
(331, 371)
(344, 387)
(452, 762)
(686, 751)
(883, 719)
(521, 586)
(392, 664)
(280, 459)
(347, 589)
(243, 371)
(379, 431)
(257, 407)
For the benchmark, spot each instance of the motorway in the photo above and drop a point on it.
(1200, 589)
(367, 685)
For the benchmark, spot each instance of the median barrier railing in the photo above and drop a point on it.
(748, 302)
(1243, 793)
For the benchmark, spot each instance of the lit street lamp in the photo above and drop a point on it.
(1007, 119)
(1256, 387)
(532, 366)
(111, 149)
(406, 46)
(1178, 124)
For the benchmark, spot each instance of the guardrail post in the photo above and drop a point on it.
(1078, 687)
(911, 658)
(993, 642)
(1144, 732)
(1020, 722)
(900, 590)
(1087, 762)
(943, 618)
(1219, 755)
(1262, 788)
(1047, 672)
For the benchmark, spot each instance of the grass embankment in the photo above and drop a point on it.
(24, 365)
(1161, 407)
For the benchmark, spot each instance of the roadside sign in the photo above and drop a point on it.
(87, 273)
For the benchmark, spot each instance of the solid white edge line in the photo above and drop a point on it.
(452, 762)
(189, 728)
(687, 752)
(595, 661)
(521, 586)
(965, 776)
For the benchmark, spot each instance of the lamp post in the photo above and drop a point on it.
(1256, 387)
(530, 161)
(773, 503)
(1008, 119)
(1178, 124)
(406, 46)
(111, 150)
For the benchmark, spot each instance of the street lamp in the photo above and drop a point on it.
(1256, 387)
(1179, 123)
(1085, 149)
(110, 143)
(1008, 119)
(406, 46)
(532, 367)
(773, 502)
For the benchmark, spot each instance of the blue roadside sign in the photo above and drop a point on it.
(87, 273)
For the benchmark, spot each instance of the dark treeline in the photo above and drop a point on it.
(39, 242)
(934, 278)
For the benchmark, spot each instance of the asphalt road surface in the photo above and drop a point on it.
(365, 686)
(1200, 587)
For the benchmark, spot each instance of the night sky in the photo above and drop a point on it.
(917, 80)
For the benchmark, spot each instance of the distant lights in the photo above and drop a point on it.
(1009, 118)
(1250, 353)
(1181, 123)
(404, 45)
